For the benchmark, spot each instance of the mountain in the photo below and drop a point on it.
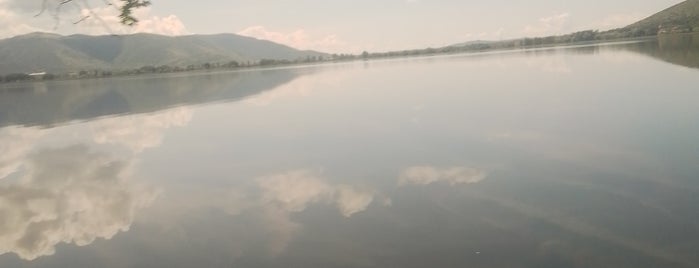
(683, 17)
(680, 18)
(60, 54)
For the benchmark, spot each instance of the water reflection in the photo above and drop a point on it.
(424, 175)
(526, 168)
(260, 217)
(15, 144)
(66, 101)
(139, 132)
(294, 191)
(67, 195)
(60, 186)
(679, 49)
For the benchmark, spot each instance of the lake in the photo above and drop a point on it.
(584, 156)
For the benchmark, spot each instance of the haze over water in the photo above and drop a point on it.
(558, 157)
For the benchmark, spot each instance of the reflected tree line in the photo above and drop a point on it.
(681, 49)
(50, 104)
(162, 69)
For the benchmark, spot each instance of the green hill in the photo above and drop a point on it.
(62, 54)
(683, 17)
(680, 18)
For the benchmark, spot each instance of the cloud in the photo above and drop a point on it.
(269, 203)
(168, 25)
(67, 195)
(551, 25)
(299, 39)
(351, 200)
(424, 175)
(283, 194)
(139, 132)
(15, 144)
(105, 20)
(293, 191)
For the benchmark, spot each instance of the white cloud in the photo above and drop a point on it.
(299, 39)
(15, 144)
(424, 175)
(271, 202)
(168, 25)
(294, 191)
(67, 195)
(105, 20)
(545, 26)
(139, 132)
(351, 200)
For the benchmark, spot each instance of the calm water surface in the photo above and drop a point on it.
(565, 157)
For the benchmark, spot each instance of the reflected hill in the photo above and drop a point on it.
(49, 104)
(679, 49)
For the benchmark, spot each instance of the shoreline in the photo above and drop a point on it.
(374, 57)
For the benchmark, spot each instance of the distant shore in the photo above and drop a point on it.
(510, 45)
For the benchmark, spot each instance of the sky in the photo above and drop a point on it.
(335, 26)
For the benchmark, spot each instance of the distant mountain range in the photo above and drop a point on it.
(681, 18)
(43, 52)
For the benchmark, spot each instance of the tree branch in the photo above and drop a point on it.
(125, 11)
(43, 8)
(126, 15)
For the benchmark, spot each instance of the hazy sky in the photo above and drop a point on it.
(340, 25)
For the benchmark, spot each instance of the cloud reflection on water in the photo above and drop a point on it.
(15, 144)
(424, 175)
(295, 190)
(292, 192)
(53, 191)
(68, 195)
(139, 132)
